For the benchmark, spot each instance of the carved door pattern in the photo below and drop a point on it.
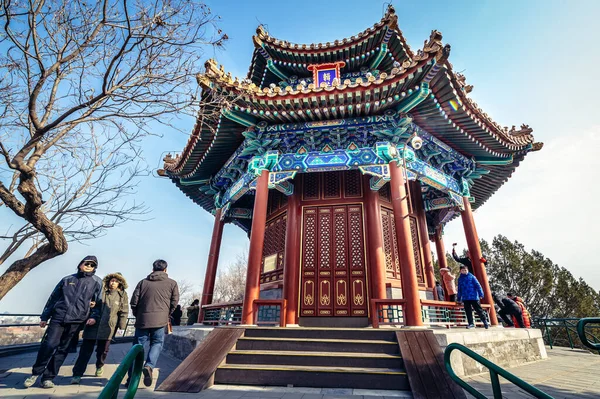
(333, 277)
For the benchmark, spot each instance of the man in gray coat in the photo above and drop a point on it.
(152, 304)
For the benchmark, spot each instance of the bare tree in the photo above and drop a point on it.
(231, 282)
(81, 83)
(187, 292)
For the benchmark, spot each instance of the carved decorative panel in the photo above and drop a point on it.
(396, 251)
(333, 239)
(414, 232)
(352, 184)
(390, 244)
(332, 182)
(277, 201)
(339, 238)
(357, 256)
(274, 246)
(309, 239)
(385, 193)
(310, 186)
(324, 238)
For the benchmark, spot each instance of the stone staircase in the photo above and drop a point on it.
(315, 357)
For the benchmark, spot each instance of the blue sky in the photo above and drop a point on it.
(531, 62)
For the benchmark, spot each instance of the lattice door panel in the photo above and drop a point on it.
(390, 244)
(274, 250)
(333, 277)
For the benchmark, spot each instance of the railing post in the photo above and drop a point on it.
(496, 389)
(568, 334)
(254, 312)
(374, 313)
(283, 313)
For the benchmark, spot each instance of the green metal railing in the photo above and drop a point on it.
(135, 358)
(564, 331)
(584, 336)
(495, 371)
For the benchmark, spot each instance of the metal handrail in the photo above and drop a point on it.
(494, 370)
(135, 358)
(583, 335)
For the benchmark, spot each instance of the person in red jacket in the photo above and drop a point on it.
(526, 315)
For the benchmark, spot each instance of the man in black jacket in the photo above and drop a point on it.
(152, 303)
(508, 307)
(67, 308)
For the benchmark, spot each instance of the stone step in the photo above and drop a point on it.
(323, 333)
(317, 345)
(312, 376)
(327, 359)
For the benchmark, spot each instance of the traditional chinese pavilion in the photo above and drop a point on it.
(342, 161)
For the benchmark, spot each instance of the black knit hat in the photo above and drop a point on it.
(91, 259)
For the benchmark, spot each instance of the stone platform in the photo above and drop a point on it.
(507, 347)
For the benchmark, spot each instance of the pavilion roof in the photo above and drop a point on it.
(448, 113)
(357, 51)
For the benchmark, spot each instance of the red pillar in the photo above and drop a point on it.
(211, 265)
(424, 234)
(410, 288)
(257, 240)
(475, 252)
(375, 242)
(291, 267)
(441, 255)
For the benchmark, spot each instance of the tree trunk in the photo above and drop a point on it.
(32, 212)
(21, 267)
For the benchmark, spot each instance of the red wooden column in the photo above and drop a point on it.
(441, 255)
(410, 288)
(424, 234)
(291, 267)
(475, 252)
(211, 266)
(257, 240)
(375, 242)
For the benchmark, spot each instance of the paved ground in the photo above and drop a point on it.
(567, 374)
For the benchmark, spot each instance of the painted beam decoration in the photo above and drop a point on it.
(364, 143)
(285, 166)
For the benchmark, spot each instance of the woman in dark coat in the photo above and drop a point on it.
(176, 316)
(113, 316)
(193, 311)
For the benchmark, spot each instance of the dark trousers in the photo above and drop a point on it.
(474, 305)
(75, 339)
(504, 315)
(85, 353)
(518, 317)
(452, 298)
(54, 349)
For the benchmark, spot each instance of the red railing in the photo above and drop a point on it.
(448, 314)
(222, 313)
(269, 311)
(387, 312)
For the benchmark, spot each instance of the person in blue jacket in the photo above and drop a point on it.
(469, 293)
(68, 307)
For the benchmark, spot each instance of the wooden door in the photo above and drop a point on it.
(333, 276)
